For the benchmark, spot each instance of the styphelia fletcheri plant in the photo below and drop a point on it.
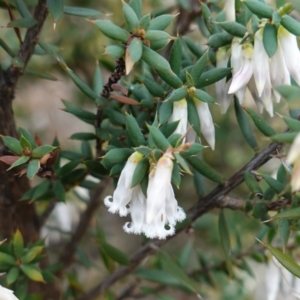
(154, 125)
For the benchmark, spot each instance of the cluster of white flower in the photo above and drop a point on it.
(252, 68)
(294, 158)
(155, 215)
(6, 294)
(180, 112)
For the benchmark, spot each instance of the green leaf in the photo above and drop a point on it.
(194, 48)
(81, 12)
(25, 143)
(145, 22)
(259, 8)
(284, 231)
(32, 272)
(189, 79)
(12, 144)
(112, 31)
(134, 131)
(208, 19)
(176, 56)
(253, 184)
(293, 213)
(83, 115)
(245, 125)
(155, 60)
(7, 259)
(41, 75)
(22, 8)
(39, 152)
(98, 80)
(18, 243)
(259, 210)
(293, 124)
(67, 168)
(212, 76)
(234, 28)
(161, 22)
(114, 253)
(199, 67)
(203, 96)
(193, 116)
(116, 51)
(177, 95)
(7, 48)
(130, 16)
(260, 123)
(20, 161)
(137, 6)
(175, 270)
(31, 254)
(83, 136)
(28, 136)
(225, 240)
(170, 78)
(204, 169)
(275, 185)
(158, 39)
(284, 259)
(165, 112)
(59, 191)
(140, 171)
(286, 137)
(154, 89)
(220, 39)
(270, 39)
(133, 53)
(12, 275)
(193, 150)
(80, 84)
(33, 168)
(116, 156)
(169, 128)
(22, 23)
(185, 254)
(176, 176)
(290, 93)
(182, 163)
(159, 139)
(56, 9)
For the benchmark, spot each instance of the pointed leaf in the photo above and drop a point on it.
(33, 168)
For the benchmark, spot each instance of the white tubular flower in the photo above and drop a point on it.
(266, 97)
(236, 55)
(206, 121)
(230, 10)
(290, 51)
(124, 193)
(242, 77)
(6, 294)
(254, 93)
(180, 113)
(222, 87)
(260, 62)
(294, 158)
(294, 153)
(137, 212)
(162, 210)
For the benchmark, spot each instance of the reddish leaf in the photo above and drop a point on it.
(38, 141)
(124, 99)
(9, 159)
(22, 172)
(51, 160)
(119, 88)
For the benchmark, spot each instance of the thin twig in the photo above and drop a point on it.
(67, 255)
(201, 207)
(44, 217)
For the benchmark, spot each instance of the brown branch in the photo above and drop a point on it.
(239, 204)
(67, 256)
(27, 47)
(201, 207)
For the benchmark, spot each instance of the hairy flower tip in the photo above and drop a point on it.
(123, 194)
(6, 294)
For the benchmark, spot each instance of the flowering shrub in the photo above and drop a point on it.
(154, 123)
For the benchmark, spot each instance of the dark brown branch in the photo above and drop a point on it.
(67, 256)
(201, 207)
(31, 38)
